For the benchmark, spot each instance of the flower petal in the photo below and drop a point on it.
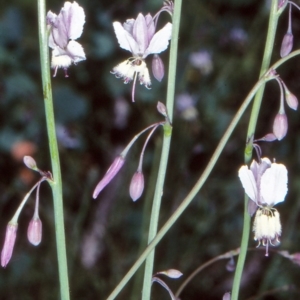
(273, 186)
(160, 40)
(125, 40)
(140, 33)
(75, 51)
(248, 182)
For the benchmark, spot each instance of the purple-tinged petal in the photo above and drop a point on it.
(110, 174)
(140, 33)
(248, 182)
(150, 27)
(160, 40)
(158, 68)
(128, 25)
(125, 40)
(273, 186)
(75, 51)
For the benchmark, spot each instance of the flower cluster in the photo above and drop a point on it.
(138, 36)
(34, 231)
(265, 183)
(65, 28)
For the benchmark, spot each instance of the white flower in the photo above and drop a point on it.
(138, 37)
(65, 29)
(266, 185)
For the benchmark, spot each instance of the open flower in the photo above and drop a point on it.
(265, 184)
(65, 29)
(138, 37)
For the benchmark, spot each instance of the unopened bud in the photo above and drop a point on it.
(291, 100)
(230, 266)
(280, 126)
(161, 108)
(158, 68)
(227, 296)
(30, 163)
(136, 185)
(172, 273)
(287, 44)
(34, 232)
(9, 243)
(110, 174)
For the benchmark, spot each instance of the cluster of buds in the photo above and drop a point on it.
(139, 37)
(137, 182)
(64, 29)
(280, 123)
(265, 183)
(34, 231)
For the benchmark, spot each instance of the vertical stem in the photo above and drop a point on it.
(165, 150)
(273, 20)
(56, 186)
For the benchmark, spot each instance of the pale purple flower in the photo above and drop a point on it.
(138, 37)
(110, 174)
(266, 185)
(9, 243)
(34, 231)
(65, 29)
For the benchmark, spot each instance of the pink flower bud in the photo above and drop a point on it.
(136, 185)
(110, 174)
(34, 232)
(291, 100)
(9, 243)
(158, 68)
(226, 296)
(287, 44)
(161, 108)
(171, 273)
(280, 126)
(30, 162)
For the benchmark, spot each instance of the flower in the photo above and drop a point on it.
(9, 243)
(266, 185)
(65, 29)
(34, 231)
(138, 37)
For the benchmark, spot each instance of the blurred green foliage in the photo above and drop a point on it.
(220, 50)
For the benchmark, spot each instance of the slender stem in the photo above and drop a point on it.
(56, 186)
(165, 149)
(188, 199)
(273, 20)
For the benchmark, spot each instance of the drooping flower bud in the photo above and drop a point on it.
(287, 44)
(158, 68)
(30, 163)
(9, 243)
(171, 273)
(230, 266)
(110, 174)
(280, 126)
(136, 185)
(161, 108)
(226, 296)
(291, 100)
(34, 232)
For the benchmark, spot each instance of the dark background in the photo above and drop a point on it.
(220, 50)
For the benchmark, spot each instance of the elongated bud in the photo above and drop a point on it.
(161, 108)
(158, 68)
(9, 243)
(34, 232)
(30, 163)
(287, 44)
(280, 126)
(171, 273)
(230, 266)
(110, 174)
(136, 185)
(291, 100)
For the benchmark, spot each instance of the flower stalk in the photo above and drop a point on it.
(56, 185)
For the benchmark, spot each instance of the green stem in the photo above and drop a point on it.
(165, 149)
(273, 20)
(188, 199)
(56, 186)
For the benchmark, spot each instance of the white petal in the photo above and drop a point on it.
(160, 40)
(125, 40)
(74, 19)
(248, 182)
(274, 184)
(140, 33)
(75, 51)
